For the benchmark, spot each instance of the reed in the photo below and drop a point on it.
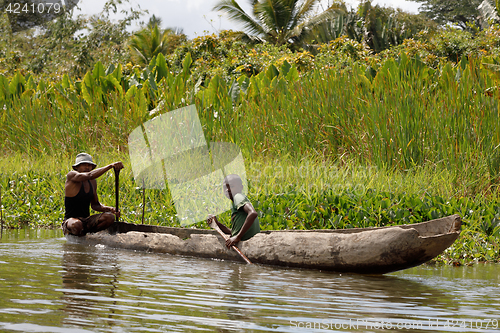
(407, 115)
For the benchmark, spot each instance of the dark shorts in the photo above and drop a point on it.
(89, 224)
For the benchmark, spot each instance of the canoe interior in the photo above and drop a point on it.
(442, 226)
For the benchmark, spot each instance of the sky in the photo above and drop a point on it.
(197, 18)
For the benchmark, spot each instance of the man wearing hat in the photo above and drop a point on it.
(80, 194)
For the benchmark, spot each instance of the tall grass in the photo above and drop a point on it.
(33, 190)
(406, 115)
(64, 123)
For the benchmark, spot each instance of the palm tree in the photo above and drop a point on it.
(279, 21)
(147, 43)
(154, 20)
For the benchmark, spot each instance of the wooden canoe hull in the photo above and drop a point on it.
(358, 250)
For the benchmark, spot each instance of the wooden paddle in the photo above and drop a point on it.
(117, 188)
(213, 225)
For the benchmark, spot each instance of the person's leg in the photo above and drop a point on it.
(73, 226)
(106, 220)
(99, 222)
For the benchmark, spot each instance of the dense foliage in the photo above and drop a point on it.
(71, 44)
(399, 136)
(463, 13)
(81, 41)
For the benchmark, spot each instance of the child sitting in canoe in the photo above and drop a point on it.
(244, 221)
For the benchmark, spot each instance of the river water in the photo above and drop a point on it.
(47, 285)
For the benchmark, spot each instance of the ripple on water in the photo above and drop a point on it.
(50, 286)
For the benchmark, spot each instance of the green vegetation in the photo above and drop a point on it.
(279, 22)
(463, 13)
(68, 45)
(149, 42)
(335, 137)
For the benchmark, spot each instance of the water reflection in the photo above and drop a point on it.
(89, 276)
(51, 286)
(277, 298)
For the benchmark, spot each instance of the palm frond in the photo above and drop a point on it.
(272, 13)
(236, 13)
(300, 12)
(148, 43)
(251, 40)
(305, 9)
(279, 21)
(329, 14)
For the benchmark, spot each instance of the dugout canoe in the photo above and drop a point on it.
(359, 250)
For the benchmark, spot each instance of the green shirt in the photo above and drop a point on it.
(238, 217)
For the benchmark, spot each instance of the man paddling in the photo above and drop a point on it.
(244, 221)
(81, 193)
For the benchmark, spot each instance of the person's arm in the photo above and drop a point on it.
(97, 206)
(251, 216)
(79, 177)
(92, 175)
(222, 227)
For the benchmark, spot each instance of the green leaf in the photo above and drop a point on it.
(117, 73)
(110, 83)
(161, 68)
(98, 71)
(41, 86)
(285, 68)
(152, 64)
(30, 84)
(253, 88)
(16, 86)
(243, 82)
(65, 82)
(234, 92)
(272, 72)
(4, 87)
(131, 93)
(293, 74)
(464, 62)
(87, 85)
(90, 90)
(111, 69)
(152, 82)
(186, 64)
(385, 203)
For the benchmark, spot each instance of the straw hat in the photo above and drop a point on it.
(84, 158)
